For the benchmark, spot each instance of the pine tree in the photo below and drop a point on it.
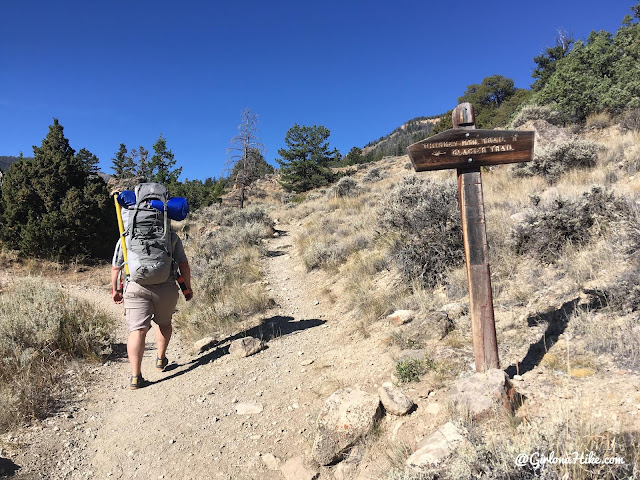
(305, 164)
(89, 160)
(161, 164)
(53, 207)
(143, 164)
(122, 164)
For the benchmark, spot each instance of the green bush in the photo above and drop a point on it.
(553, 161)
(411, 369)
(423, 218)
(41, 328)
(545, 232)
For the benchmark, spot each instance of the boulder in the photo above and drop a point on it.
(413, 354)
(347, 415)
(482, 392)
(244, 347)
(393, 400)
(436, 448)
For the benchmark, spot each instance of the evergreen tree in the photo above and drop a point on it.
(305, 163)
(161, 164)
(489, 99)
(354, 156)
(143, 164)
(89, 160)
(122, 165)
(53, 207)
(546, 62)
(601, 73)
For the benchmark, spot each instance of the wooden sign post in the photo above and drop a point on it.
(467, 149)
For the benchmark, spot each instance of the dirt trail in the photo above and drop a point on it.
(185, 425)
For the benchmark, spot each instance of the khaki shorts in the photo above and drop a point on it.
(144, 303)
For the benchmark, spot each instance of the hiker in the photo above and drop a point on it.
(147, 299)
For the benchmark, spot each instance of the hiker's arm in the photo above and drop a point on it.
(185, 271)
(115, 294)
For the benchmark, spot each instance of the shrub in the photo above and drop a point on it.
(411, 369)
(225, 265)
(346, 187)
(598, 121)
(41, 328)
(373, 175)
(624, 295)
(537, 112)
(630, 121)
(545, 232)
(423, 217)
(553, 161)
(292, 198)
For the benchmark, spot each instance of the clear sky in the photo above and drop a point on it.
(126, 71)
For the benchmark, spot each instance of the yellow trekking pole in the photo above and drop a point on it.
(123, 244)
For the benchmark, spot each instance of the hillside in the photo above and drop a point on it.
(6, 161)
(396, 142)
(330, 272)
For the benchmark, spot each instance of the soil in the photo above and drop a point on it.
(186, 425)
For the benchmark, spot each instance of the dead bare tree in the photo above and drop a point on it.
(245, 154)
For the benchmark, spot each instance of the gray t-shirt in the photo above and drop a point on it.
(178, 254)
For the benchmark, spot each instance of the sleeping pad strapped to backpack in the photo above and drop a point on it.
(148, 236)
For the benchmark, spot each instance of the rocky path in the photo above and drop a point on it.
(195, 421)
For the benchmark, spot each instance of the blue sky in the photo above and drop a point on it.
(125, 72)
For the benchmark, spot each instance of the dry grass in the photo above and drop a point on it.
(225, 251)
(41, 329)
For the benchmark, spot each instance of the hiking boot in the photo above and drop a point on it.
(161, 363)
(136, 382)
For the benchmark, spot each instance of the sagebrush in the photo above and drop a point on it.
(547, 229)
(41, 329)
(554, 160)
(423, 219)
(224, 254)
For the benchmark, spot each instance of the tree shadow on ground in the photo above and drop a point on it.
(557, 322)
(8, 468)
(270, 328)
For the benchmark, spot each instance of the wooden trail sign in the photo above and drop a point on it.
(460, 148)
(467, 149)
